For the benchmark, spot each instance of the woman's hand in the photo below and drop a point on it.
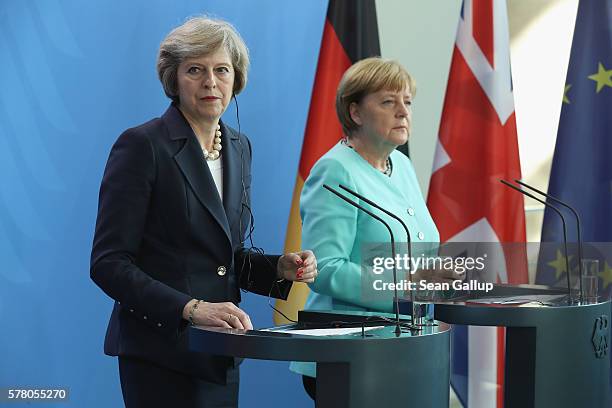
(438, 275)
(298, 266)
(224, 314)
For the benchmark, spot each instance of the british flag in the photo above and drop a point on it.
(477, 146)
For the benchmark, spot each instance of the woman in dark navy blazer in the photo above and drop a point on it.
(172, 217)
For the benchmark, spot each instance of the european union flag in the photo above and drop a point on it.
(581, 172)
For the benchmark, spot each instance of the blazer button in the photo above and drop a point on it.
(144, 317)
(131, 310)
(421, 236)
(411, 211)
(159, 325)
(221, 270)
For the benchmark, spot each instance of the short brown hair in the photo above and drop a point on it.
(197, 37)
(365, 77)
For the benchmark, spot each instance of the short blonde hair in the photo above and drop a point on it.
(365, 77)
(197, 37)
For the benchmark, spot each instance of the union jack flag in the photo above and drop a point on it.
(477, 146)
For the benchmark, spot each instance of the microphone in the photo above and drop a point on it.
(569, 286)
(566, 205)
(416, 314)
(398, 329)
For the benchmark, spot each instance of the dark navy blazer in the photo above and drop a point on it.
(163, 237)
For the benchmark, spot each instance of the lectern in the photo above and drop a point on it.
(374, 368)
(557, 352)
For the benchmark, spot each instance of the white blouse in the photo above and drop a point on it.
(216, 169)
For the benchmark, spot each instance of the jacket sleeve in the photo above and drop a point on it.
(257, 274)
(329, 228)
(125, 193)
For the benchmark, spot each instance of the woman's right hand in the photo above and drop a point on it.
(223, 314)
(438, 275)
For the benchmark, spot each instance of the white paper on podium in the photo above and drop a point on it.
(340, 331)
(542, 300)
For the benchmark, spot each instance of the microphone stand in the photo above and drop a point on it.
(398, 329)
(556, 200)
(416, 313)
(569, 286)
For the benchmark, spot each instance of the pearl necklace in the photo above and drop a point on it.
(216, 152)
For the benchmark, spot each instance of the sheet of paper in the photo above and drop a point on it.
(541, 299)
(533, 304)
(340, 331)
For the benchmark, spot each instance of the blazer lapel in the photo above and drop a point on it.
(233, 166)
(194, 168)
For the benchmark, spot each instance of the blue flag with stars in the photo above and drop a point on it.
(581, 173)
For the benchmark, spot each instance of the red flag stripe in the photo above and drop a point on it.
(323, 129)
(483, 31)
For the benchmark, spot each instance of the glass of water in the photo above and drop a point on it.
(590, 280)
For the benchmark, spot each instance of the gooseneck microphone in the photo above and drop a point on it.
(512, 186)
(408, 238)
(398, 329)
(569, 207)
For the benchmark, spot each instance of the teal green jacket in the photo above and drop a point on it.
(336, 231)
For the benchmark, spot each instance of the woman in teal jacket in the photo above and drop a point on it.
(373, 104)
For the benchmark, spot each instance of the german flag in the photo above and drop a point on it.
(350, 34)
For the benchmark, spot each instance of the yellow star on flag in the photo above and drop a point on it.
(606, 275)
(559, 264)
(603, 77)
(565, 97)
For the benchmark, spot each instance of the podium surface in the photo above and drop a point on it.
(374, 368)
